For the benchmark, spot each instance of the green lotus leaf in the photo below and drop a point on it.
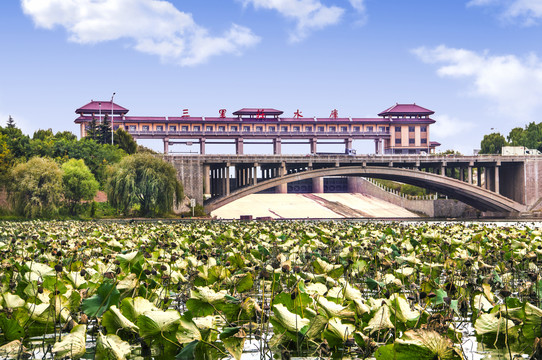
(72, 345)
(333, 309)
(76, 279)
(420, 345)
(481, 303)
(12, 300)
(235, 344)
(188, 331)
(13, 350)
(155, 322)
(133, 307)
(402, 310)
(339, 330)
(40, 312)
(316, 288)
(208, 295)
(380, 320)
(106, 295)
(114, 320)
(290, 321)
(111, 347)
(493, 325)
(316, 326)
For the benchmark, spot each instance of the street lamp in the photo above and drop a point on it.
(100, 112)
(112, 131)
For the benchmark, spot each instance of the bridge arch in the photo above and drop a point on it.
(473, 195)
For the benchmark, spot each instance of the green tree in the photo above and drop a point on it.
(147, 181)
(11, 122)
(104, 131)
(492, 143)
(79, 184)
(92, 130)
(516, 137)
(36, 188)
(125, 141)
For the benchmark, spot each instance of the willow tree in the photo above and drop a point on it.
(36, 188)
(146, 181)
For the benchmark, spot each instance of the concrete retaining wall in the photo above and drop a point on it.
(431, 208)
(190, 173)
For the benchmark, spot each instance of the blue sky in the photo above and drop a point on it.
(476, 63)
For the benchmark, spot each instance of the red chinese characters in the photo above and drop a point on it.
(297, 114)
(334, 114)
(222, 113)
(260, 114)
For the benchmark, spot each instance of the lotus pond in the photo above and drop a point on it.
(263, 290)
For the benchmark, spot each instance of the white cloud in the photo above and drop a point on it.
(310, 15)
(514, 84)
(530, 11)
(447, 126)
(358, 5)
(155, 26)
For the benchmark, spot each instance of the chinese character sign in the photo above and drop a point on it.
(297, 114)
(260, 114)
(222, 113)
(334, 114)
(185, 113)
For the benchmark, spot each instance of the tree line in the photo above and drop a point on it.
(49, 175)
(530, 137)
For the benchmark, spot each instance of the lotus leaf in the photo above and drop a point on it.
(402, 310)
(380, 320)
(420, 345)
(339, 330)
(114, 320)
(316, 288)
(188, 330)
(290, 321)
(13, 350)
(333, 309)
(133, 307)
(111, 347)
(208, 295)
(12, 300)
(493, 325)
(155, 322)
(73, 344)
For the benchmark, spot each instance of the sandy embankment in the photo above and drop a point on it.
(310, 206)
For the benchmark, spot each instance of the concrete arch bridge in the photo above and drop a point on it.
(506, 184)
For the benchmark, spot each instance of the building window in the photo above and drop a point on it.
(397, 129)
(208, 128)
(296, 128)
(321, 129)
(308, 128)
(196, 128)
(356, 128)
(259, 128)
(271, 129)
(145, 128)
(381, 128)
(398, 141)
(369, 128)
(332, 128)
(132, 128)
(423, 128)
(424, 141)
(284, 128)
(344, 128)
(411, 141)
(222, 128)
(411, 129)
(185, 128)
(246, 128)
(233, 128)
(172, 128)
(159, 128)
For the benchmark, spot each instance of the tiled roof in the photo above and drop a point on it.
(104, 106)
(255, 111)
(406, 109)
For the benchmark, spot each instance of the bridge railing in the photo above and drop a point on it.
(400, 194)
(202, 133)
